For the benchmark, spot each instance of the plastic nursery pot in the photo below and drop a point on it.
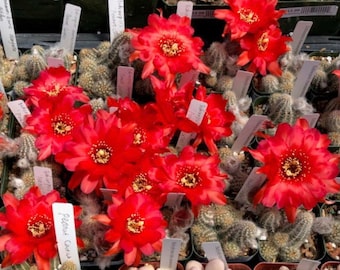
(238, 261)
(154, 264)
(330, 265)
(91, 263)
(274, 266)
(332, 249)
(236, 266)
(260, 105)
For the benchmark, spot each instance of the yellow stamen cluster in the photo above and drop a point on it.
(188, 177)
(141, 183)
(62, 125)
(170, 47)
(39, 225)
(101, 152)
(262, 42)
(135, 224)
(247, 15)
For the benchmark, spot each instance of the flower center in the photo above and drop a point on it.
(248, 16)
(295, 166)
(139, 136)
(170, 47)
(292, 167)
(188, 177)
(101, 152)
(39, 225)
(62, 125)
(262, 42)
(55, 89)
(135, 224)
(140, 183)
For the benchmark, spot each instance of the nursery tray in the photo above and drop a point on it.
(330, 265)
(154, 264)
(324, 15)
(274, 266)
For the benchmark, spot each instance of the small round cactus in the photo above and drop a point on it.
(290, 254)
(243, 232)
(271, 219)
(269, 84)
(280, 108)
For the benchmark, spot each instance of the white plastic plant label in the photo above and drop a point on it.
(253, 182)
(312, 118)
(116, 17)
(19, 110)
(125, 76)
(7, 30)
(174, 199)
(213, 250)
(306, 264)
(185, 8)
(300, 34)
(63, 217)
(189, 76)
(170, 253)
(195, 113)
(107, 193)
(70, 27)
(54, 61)
(253, 124)
(43, 179)
(323, 10)
(304, 78)
(241, 83)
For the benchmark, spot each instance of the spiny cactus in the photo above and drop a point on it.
(271, 219)
(6, 70)
(243, 232)
(285, 241)
(94, 72)
(19, 86)
(231, 249)
(206, 216)
(32, 65)
(323, 225)
(224, 216)
(201, 234)
(300, 229)
(27, 152)
(290, 254)
(332, 121)
(215, 57)
(224, 84)
(334, 236)
(280, 108)
(319, 81)
(269, 84)
(286, 82)
(68, 265)
(98, 54)
(268, 251)
(280, 239)
(119, 51)
(335, 138)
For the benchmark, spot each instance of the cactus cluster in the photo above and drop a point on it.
(226, 224)
(6, 70)
(94, 72)
(285, 240)
(221, 57)
(329, 121)
(31, 63)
